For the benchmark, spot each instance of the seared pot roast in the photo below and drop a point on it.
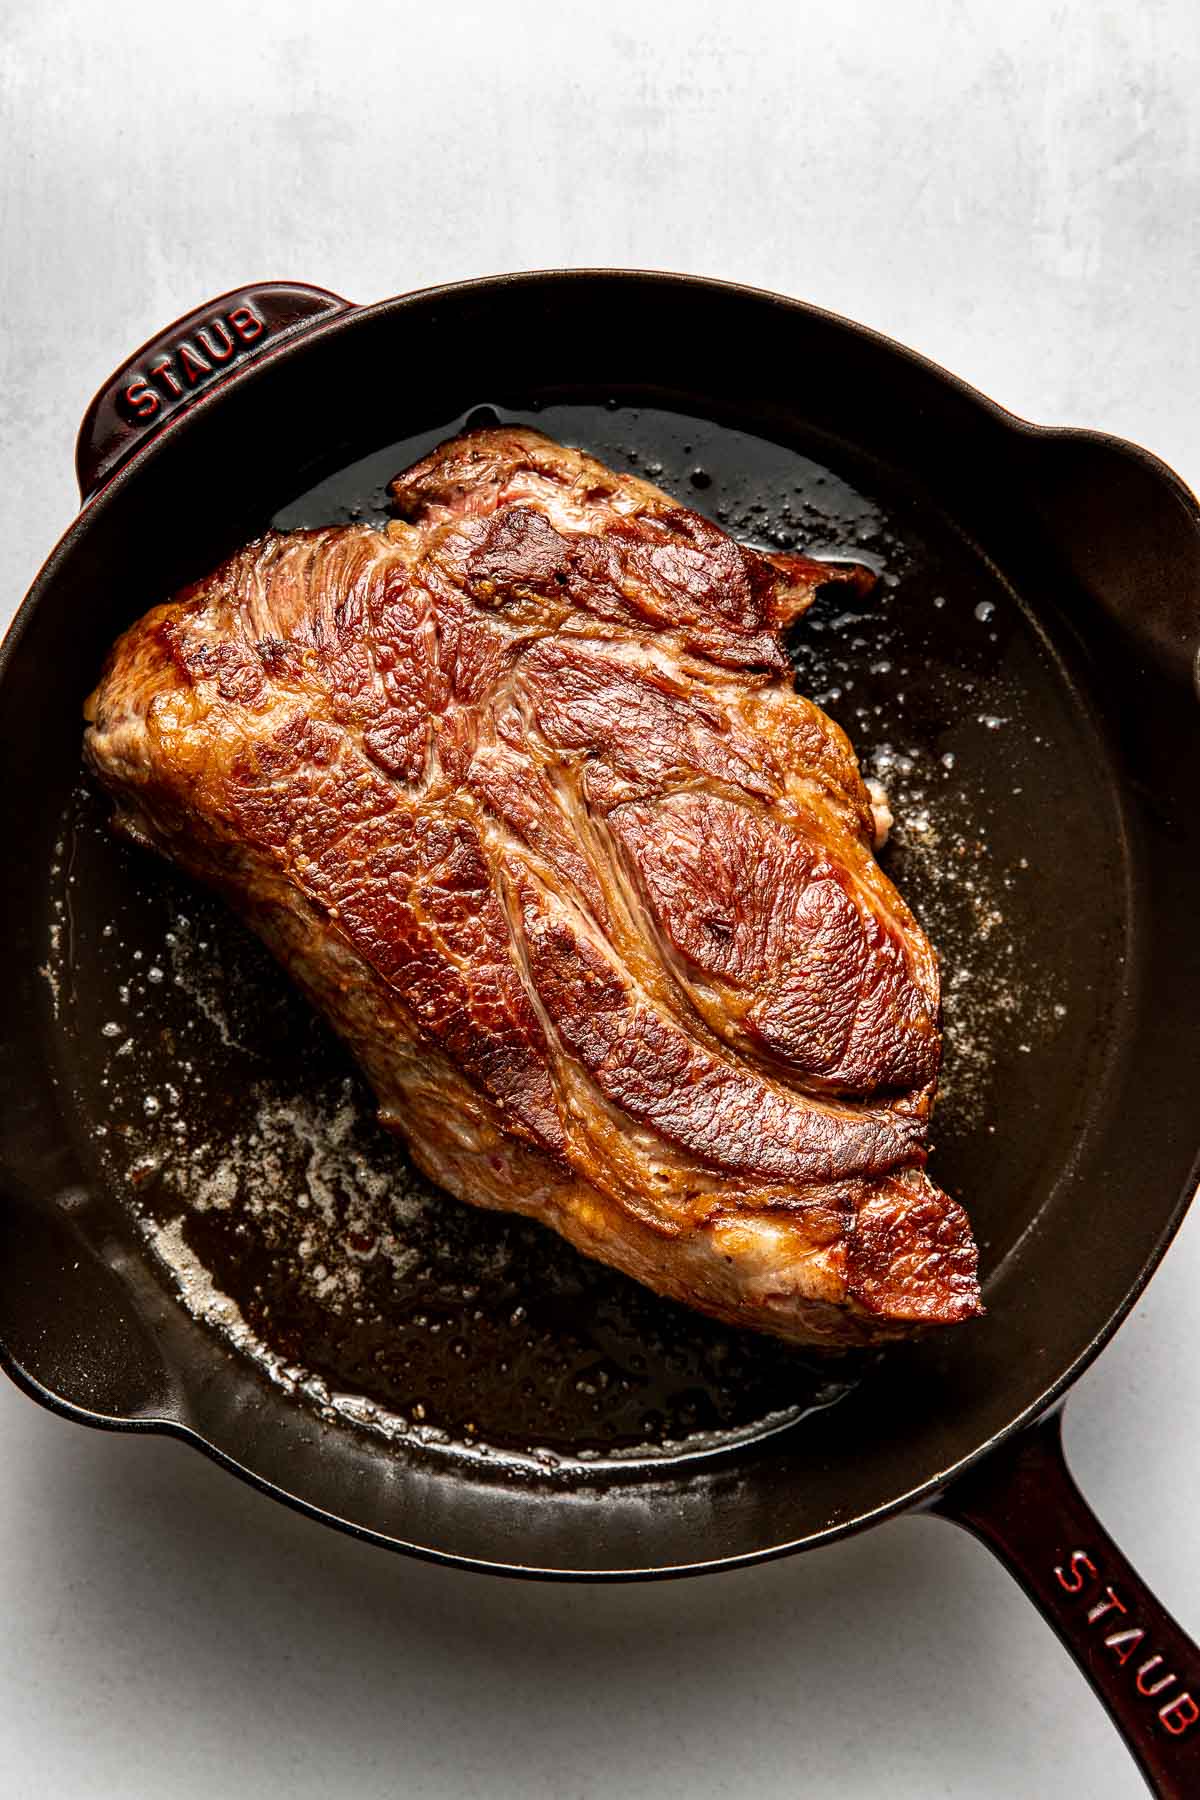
(520, 792)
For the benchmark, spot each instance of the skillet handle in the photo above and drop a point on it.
(1022, 1502)
(191, 357)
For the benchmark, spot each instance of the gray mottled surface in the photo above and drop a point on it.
(1014, 190)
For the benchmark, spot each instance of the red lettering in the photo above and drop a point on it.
(194, 365)
(1188, 1711)
(1162, 1682)
(219, 348)
(1124, 1643)
(141, 399)
(246, 323)
(1071, 1578)
(164, 369)
(1098, 1611)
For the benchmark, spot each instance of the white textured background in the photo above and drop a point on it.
(1012, 188)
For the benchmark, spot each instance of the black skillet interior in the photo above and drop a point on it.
(177, 1124)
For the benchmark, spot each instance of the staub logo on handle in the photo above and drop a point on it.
(1124, 1639)
(194, 360)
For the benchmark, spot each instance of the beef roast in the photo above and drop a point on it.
(520, 792)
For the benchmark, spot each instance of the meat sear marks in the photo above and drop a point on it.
(519, 791)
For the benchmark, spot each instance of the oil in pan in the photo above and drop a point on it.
(243, 1139)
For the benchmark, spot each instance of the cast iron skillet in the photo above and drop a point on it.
(1029, 681)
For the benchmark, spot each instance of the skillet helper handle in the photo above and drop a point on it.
(1022, 1502)
(176, 367)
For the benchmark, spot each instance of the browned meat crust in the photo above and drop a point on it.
(520, 792)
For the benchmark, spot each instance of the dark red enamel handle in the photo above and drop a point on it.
(188, 359)
(1022, 1502)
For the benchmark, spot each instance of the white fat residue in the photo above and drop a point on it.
(196, 1288)
(988, 995)
(881, 811)
(50, 976)
(205, 1301)
(314, 1194)
(195, 974)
